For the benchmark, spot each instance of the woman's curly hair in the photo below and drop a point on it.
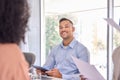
(14, 16)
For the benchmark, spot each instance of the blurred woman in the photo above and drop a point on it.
(14, 16)
(116, 62)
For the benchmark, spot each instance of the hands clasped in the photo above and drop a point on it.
(53, 73)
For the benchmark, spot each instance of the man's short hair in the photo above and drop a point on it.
(65, 19)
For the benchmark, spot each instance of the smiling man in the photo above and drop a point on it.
(59, 62)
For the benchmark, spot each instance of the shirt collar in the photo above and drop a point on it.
(71, 45)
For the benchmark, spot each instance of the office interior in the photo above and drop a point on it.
(91, 29)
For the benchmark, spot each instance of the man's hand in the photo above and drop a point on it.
(40, 72)
(54, 73)
(83, 78)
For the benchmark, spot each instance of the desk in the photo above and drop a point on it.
(43, 77)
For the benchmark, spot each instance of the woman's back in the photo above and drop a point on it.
(116, 62)
(12, 63)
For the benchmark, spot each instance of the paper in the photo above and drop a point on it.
(112, 23)
(89, 71)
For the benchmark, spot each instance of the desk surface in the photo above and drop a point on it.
(43, 77)
(49, 78)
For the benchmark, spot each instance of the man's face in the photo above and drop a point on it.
(66, 29)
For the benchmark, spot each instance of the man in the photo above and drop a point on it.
(59, 62)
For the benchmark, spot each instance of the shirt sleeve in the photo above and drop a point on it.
(84, 55)
(50, 62)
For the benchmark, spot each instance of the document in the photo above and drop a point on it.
(112, 23)
(43, 77)
(89, 71)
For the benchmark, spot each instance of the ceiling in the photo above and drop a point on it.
(63, 6)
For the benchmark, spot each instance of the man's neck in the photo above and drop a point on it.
(66, 42)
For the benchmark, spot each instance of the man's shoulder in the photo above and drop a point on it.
(56, 46)
(80, 44)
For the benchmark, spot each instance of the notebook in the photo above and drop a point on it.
(112, 23)
(88, 70)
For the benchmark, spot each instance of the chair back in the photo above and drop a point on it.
(30, 58)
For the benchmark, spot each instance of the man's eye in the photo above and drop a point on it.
(60, 27)
(66, 26)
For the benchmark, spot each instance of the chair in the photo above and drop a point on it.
(30, 58)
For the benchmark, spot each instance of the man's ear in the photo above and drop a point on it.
(73, 28)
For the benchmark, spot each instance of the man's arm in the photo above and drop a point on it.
(50, 62)
(84, 55)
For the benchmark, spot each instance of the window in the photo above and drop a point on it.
(33, 35)
(90, 27)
